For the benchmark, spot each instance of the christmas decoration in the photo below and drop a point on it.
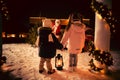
(4, 10)
(103, 57)
(98, 6)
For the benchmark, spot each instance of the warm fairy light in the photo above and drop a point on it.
(101, 6)
(6, 11)
(5, 14)
(10, 35)
(1, 1)
(114, 30)
(96, 48)
(22, 35)
(113, 18)
(103, 9)
(59, 63)
(113, 26)
(99, 16)
(3, 34)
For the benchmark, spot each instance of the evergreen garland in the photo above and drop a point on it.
(105, 13)
(102, 56)
(93, 67)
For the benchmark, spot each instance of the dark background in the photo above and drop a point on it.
(21, 10)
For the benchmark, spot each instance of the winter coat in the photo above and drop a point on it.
(74, 38)
(45, 47)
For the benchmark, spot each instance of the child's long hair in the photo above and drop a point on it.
(72, 17)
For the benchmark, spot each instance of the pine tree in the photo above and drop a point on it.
(32, 35)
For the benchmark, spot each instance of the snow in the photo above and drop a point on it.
(24, 61)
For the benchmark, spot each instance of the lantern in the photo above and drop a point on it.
(59, 62)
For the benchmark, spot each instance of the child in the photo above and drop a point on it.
(46, 52)
(74, 36)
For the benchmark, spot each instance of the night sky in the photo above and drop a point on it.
(47, 8)
(21, 10)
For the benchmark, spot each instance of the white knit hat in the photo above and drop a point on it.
(47, 23)
(57, 21)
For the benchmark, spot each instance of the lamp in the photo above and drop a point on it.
(59, 62)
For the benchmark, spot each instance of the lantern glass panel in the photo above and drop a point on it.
(59, 62)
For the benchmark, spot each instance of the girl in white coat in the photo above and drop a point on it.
(74, 37)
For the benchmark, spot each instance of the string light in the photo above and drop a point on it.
(103, 57)
(104, 12)
(4, 10)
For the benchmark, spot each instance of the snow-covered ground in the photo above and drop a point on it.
(24, 63)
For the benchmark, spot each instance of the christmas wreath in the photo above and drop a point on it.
(103, 57)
